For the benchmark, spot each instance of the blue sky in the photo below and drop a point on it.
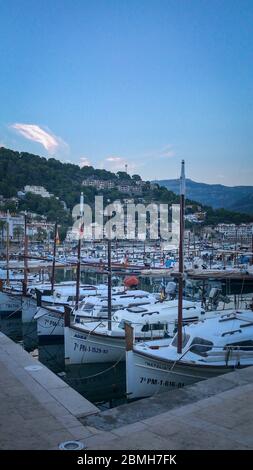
(143, 82)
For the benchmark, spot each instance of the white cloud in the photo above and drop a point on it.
(35, 133)
(118, 164)
(84, 162)
(115, 159)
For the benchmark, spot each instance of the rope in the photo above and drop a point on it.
(99, 373)
(13, 313)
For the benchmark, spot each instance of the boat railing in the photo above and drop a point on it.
(227, 353)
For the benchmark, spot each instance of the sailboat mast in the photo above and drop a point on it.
(78, 270)
(109, 252)
(7, 249)
(54, 256)
(25, 257)
(181, 260)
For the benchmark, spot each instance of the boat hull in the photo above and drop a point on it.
(50, 325)
(29, 308)
(83, 347)
(10, 305)
(146, 375)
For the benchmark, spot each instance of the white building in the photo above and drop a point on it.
(233, 230)
(38, 190)
(16, 226)
(99, 184)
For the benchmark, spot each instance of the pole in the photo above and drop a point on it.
(235, 255)
(109, 249)
(109, 276)
(181, 260)
(78, 269)
(25, 257)
(8, 249)
(212, 255)
(252, 248)
(78, 273)
(54, 255)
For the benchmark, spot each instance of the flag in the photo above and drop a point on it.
(57, 239)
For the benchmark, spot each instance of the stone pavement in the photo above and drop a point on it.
(214, 414)
(39, 411)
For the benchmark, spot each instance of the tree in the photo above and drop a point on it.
(18, 232)
(41, 234)
(136, 177)
(2, 225)
(122, 175)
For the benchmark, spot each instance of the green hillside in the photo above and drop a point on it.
(64, 181)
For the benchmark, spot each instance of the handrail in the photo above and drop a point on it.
(224, 348)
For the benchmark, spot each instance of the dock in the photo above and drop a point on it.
(40, 411)
(216, 414)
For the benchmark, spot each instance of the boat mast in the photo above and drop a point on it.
(54, 256)
(181, 260)
(109, 274)
(7, 249)
(25, 257)
(109, 252)
(78, 270)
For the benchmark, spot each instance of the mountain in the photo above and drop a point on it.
(236, 198)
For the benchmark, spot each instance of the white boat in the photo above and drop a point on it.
(64, 294)
(214, 346)
(90, 342)
(50, 319)
(10, 304)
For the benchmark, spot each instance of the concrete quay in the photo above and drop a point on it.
(210, 415)
(39, 411)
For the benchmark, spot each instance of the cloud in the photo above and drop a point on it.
(115, 159)
(35, 133)
(118, 164)
(167, 152)
(84, 162)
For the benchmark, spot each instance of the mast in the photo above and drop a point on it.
(25, 257)
(54, 255)
(181, 260)
(252, 247)
(109, 252)
(78, 269)
(7, 249)
(109, 277)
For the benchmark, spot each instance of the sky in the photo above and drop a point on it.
(142, 82)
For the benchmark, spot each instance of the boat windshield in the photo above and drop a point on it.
(88, 306)
(200, 346)
(185, 339)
